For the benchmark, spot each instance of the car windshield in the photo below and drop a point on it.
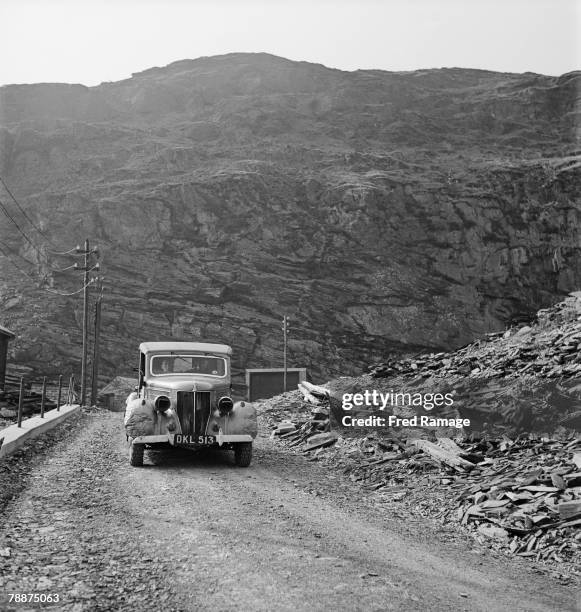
(188, 364)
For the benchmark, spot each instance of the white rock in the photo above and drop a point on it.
(491, 531)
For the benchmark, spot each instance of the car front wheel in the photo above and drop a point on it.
(243, 454)
(136, 454)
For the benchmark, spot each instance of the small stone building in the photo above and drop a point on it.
(5, 336)
(113, 396)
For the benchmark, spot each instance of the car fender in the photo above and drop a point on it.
(139, 418)
(242, 420)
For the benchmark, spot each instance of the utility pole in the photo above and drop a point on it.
(285, 326)
(96, 348)
(86, 282)
(85, 324)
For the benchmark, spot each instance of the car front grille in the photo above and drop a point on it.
(193, 410)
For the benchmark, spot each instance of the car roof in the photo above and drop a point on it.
(200, 347)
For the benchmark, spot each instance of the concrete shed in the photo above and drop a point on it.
(5, 336)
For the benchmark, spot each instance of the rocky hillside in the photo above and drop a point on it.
(512, 477)
(520, 381)
(383, 212)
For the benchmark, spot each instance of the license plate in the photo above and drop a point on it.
(185, 439)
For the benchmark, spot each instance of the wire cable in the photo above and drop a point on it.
(73, 251)
(16, 265)
(2, 207)
(5, 210)
(34, 225)
(35, 280)
(72, 293)
(24, 212)
(65, 269)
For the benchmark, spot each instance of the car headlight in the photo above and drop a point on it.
(225, 405)
(162, 404)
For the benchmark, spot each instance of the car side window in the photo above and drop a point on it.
(141, 370)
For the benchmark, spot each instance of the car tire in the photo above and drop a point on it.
(243, 454)
(136, 454)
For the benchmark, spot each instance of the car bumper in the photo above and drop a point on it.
(169, 438)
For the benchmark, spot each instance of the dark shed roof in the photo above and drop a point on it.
(6, 332)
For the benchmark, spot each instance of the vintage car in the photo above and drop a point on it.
(183, 400)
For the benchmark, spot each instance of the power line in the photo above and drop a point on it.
(67, 268)
(72, 251)
(5, 210)
(34, 280)
(24, 212)
(16, 265)
(72, 293)
(41, 280)
(76, 267)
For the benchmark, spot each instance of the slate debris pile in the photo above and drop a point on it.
(517, 492)
(312, 427)
(525, 495)
(288, 406)
(550, 348)
(522, 496)
(507, 383)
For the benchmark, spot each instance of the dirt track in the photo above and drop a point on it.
(193, 532)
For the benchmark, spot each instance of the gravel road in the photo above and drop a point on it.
(192, 532)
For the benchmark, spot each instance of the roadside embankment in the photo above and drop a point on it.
(13, 437)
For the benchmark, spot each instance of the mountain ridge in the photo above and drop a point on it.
(383, 213)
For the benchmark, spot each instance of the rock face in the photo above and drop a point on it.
(383, 212)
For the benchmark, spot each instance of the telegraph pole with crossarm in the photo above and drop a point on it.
(285, 330)
(86, 282)
(96, 344)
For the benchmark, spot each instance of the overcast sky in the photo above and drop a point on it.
(89, 41)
